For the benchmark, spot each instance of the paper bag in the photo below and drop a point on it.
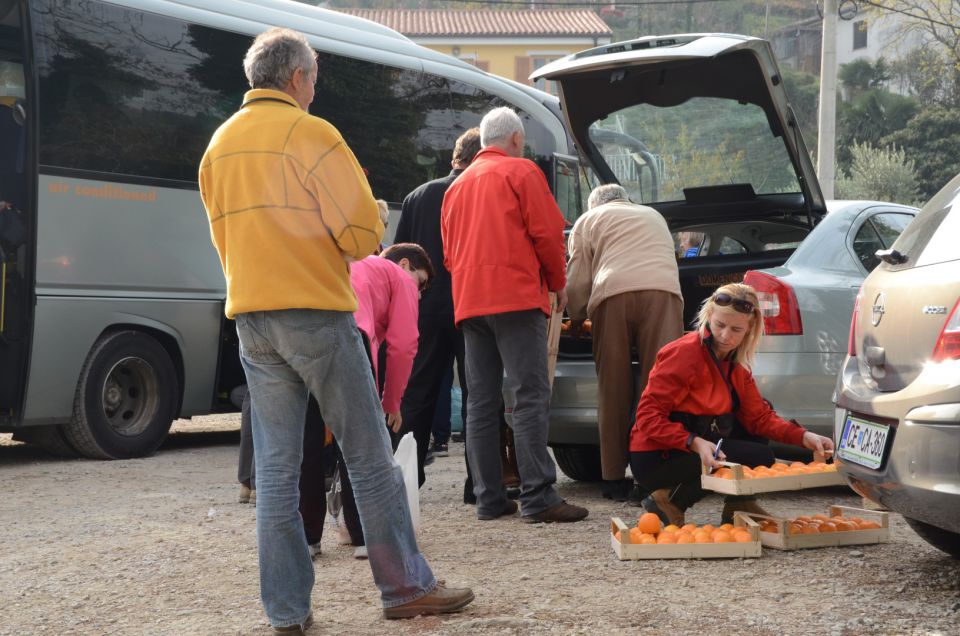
(406, 456)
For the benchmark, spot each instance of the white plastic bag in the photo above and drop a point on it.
(406, 456)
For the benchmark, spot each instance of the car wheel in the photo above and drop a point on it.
(126, 398)
(939, 538)
(580, 462)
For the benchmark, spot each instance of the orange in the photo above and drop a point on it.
(685, 537)
(689, 527)
(778, 467)
(649, 523)
(670, 528)
(702, 537)
(667, 537)
(727, 526)
(796, 528)
(811, 528)
(797, 465)
(821, 517)
(742, 536)
(722, 536)
(844, 526)
(828, 526)
(869, 525)
(647, 539)
(707, 527)
(635, 535)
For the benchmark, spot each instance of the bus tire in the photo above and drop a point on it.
(126, 398)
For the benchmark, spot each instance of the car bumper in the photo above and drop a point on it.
(920, 476)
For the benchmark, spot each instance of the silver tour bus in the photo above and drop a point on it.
(111, 320)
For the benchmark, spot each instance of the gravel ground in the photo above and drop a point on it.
(160, 546)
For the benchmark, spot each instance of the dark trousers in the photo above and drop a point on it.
(440, 344)
(313, 491)
(679, 471)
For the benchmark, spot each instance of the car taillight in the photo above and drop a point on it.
(778, 304)
(948, 344)
(852, 341)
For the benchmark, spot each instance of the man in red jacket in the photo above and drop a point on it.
(503, 245)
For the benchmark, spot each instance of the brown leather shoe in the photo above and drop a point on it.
(734, 504)
(658, 502)
(509, 508)
(441, 600)
(561, 513)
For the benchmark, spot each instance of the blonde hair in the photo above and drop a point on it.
(746, 351)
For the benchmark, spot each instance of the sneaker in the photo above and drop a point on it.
(314, 550)
(440, 450)
(441, 600)
(509, 508)
(561, 513)
(360, 552)
(297, 629)
(428, 458)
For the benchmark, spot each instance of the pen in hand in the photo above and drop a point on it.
(716, 452)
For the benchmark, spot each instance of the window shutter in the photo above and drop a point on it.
(522, 70)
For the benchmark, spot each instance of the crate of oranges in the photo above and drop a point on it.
(842, 526)
(649, 539)
(736, 479)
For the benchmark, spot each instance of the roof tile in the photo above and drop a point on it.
(491, 22)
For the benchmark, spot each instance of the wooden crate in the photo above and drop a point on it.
(740, 486)
(627, 551)
(782, 540)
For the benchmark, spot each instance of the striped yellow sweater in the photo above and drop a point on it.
(288, 206)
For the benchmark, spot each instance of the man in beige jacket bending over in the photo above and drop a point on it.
(623, 275)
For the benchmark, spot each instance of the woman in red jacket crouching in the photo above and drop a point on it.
(701, 391)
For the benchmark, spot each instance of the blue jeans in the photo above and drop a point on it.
(286, 354)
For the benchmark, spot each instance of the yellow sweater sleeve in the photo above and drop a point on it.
(330, 171)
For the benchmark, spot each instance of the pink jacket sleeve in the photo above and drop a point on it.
(402, 337)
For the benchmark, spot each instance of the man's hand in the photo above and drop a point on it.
(561, 301)
(394, 421)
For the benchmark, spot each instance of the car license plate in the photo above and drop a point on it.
(863, 442)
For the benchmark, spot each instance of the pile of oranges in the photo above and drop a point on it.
(586, 327)
(777, 470)
(649, 531)
(819, 523)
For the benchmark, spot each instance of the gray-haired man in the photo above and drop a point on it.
(503, 243)
(288, 204)
(623, 275)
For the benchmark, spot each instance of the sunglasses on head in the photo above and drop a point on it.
(726, 300)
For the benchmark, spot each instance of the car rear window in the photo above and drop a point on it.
(931, 238)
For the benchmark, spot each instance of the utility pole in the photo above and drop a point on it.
(827, 118)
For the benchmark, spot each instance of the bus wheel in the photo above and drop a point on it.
(126, 398)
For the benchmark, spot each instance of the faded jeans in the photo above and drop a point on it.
(286, 353)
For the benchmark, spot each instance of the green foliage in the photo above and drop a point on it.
(868, 117)
(932, 139)
(879, 173)
(862, 75)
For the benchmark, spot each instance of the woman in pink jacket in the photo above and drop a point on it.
(388, 290)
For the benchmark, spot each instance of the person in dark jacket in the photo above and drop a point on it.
(440, 341)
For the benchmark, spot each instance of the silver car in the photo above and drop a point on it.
(897, 426)
(807, 304)
(699, 128)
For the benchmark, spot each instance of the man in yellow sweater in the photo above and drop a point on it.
(289, 208)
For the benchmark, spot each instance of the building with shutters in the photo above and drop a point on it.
(511, 44)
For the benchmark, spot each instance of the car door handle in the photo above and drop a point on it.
(875, 356)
